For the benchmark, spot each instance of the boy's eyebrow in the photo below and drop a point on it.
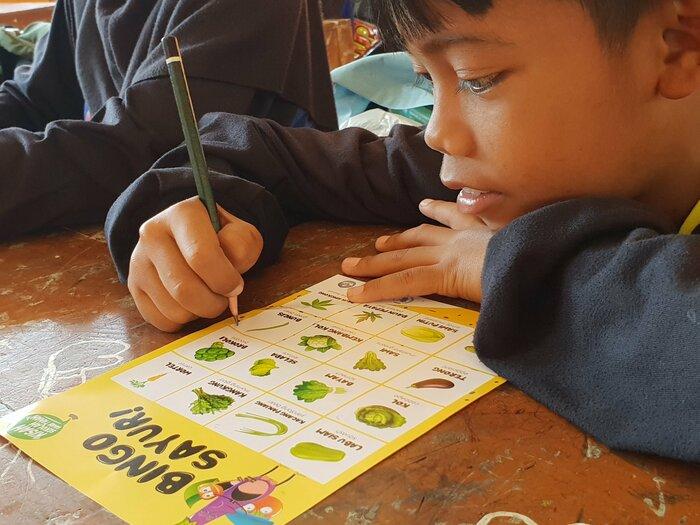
(440, 43)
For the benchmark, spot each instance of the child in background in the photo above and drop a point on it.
(96, 110)
(567, 136)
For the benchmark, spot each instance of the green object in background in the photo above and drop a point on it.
(420, 115)
(21, 43)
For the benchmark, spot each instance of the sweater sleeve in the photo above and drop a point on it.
(303, 174)
(592, 307)
(51, 90)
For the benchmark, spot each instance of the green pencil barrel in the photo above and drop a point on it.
(191, 133)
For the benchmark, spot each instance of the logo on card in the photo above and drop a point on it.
(39, 426)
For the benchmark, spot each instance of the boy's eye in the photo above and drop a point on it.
(479, 86)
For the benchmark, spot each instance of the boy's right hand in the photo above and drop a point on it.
(181, 269)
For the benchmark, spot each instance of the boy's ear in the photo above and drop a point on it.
(680, 76)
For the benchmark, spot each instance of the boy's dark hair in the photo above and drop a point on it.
(400, 20)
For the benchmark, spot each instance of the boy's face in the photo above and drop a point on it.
(531, 107)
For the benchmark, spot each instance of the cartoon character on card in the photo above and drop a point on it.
(244, 501)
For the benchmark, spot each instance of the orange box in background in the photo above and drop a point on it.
(340, 44)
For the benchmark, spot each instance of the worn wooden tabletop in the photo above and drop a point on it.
(64, 318)
(19, 14)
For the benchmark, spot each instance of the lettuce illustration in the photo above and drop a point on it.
(310, 391)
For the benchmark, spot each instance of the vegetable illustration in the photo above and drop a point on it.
(268, 327)
(263, 367)
(316, 452)
(379, 416)
(471, 349)
(436, 382)
(367, 316)
(320, 343)
(318, 304)
(370, 362)
(140, 384)
(209, 403)
(280, 428)
(310, 391)
(423, 334)
(216, 352)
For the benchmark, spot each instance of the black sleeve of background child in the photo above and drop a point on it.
(593, 308)
(51, 90)
(349, 175)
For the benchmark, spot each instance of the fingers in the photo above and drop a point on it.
(150, 312)
(161, 299)
(199, 245)
(421, 280)
(240, 241)
(423, 235)
(448, 213)
(181, 282)
(391, 262)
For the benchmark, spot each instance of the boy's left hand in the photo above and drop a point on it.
(446, 260)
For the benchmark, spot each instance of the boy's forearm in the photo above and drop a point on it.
(588, 307)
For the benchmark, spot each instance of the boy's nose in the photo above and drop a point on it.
(448, 132)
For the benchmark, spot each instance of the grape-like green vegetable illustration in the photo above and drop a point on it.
(216, 352)
(379, 416)
(320, 343)
(263, 367)
(316, 452)
(423, 334)
(318, 304)
(209, 403)
(310, 391)
(370, 362)
(367, 316)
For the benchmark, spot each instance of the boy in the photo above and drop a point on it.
(571, 129)
(97, 109)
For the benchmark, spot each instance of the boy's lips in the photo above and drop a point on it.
(475, 202)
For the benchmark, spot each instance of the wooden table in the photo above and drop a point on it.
(19, 14)
(65, 318)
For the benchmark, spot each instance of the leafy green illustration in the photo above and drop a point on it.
(423, 334)
(367, 316)
(316, 452)
(320, 343)
(263, 367)
(209, 403)
(379, 416)
(318, 304)
(310, 391)
(216, 352)
(370, 362)
(280, 428)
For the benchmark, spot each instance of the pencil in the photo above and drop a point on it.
(185, 109)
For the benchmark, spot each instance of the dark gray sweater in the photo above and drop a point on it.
(590, 306)
(103, 61)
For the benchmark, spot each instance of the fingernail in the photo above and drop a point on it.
(354, 293)
(382, 239)
(425, 202)
(351, 261)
